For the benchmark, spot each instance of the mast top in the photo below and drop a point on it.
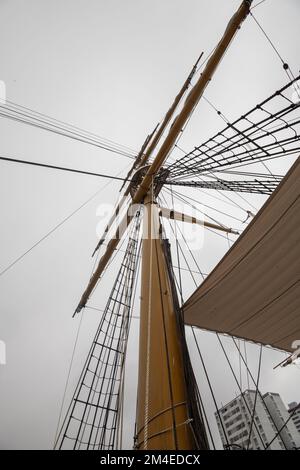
(158, 179)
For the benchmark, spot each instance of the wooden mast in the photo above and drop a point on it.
(163, 420)
(144, 155)
(175, 129)
(193, 98)
(162, 416)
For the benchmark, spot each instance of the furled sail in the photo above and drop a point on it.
(254, 292)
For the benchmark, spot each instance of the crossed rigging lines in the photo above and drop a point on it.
(240, 145)
(261, 134)
(220, 156)
(255, 186)
(93, 417)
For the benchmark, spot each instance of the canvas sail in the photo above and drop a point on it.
(254, 291)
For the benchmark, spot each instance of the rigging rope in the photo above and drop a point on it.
(68, 377)
(228, 147)
(226, 120)
(283, 426)
(209, 229)
(96, 403)
(26, 116)
(285, 65)
(57, 226)
(190, 251)
(179, 287)
(224, 196)
(174, 425)
(255, 398)
(241, 391)
(184, 199)
(253, 186)
(71, 126)
(244, 360)
(72, 170)
(259, 3)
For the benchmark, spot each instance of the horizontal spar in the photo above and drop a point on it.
(175, 215)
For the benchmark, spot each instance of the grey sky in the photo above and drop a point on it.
(113, 68)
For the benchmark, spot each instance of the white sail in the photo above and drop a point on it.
(254, 292)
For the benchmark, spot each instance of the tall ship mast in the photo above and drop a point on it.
(169, 412)
(252, 295)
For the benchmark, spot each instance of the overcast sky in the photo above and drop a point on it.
(113, 68)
